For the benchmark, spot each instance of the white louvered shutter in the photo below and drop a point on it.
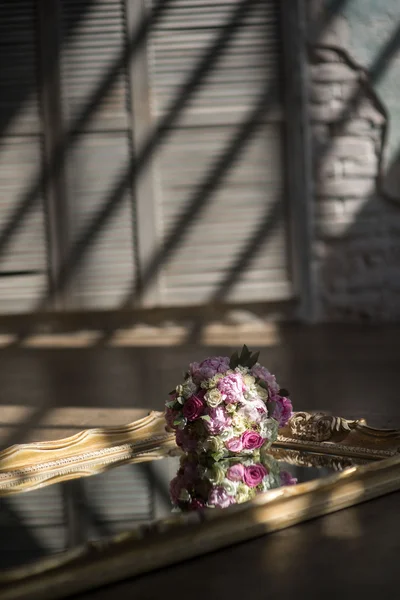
(253, 189)
(23, 259)
(101, 154)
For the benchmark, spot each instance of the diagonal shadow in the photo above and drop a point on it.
(205, 65)
(7, 40)
(58, 157)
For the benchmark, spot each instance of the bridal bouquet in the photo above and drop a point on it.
(229, 481)
(227, 406)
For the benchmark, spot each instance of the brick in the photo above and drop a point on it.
(324, 113)
(333, 208)
(345, 187)
(330, 168)
(352, 146)
(366, 110)
(349, 89)
(367, 166)
(332, 72)
(360, 127)
(320, 93)
(326, 56)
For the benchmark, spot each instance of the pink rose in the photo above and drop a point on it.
(235, 444)
(219, 497)
(208, 368)
(193, 408)
(287, 479)
(254, 474)
(283, 410)
(232, 387)
(235, 472)
(219, 420)
(252, 440)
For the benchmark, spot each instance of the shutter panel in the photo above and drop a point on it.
(33, 526)
(23, 260)
(118, 499)
(101, 154)
(217, 239)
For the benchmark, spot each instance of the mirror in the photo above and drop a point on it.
(100, 506)
(55, 518)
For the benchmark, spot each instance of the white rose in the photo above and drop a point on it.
(230, 486)
(213, 398)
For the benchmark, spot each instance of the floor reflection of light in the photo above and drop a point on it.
(350, 526)
(261, 335)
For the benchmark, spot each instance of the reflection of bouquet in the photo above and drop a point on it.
(227, 406)
(229, 481)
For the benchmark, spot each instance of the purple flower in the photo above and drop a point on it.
(218, 497)
(235, 444)
(252, 440)
(190, 473)
(283, 410)
(235, 472)
(254, 474)
(263, 373)
(208, 368)
(231, 387)
(219, 420)
(185, 441)
(193, 407)
(196, 504)
(287, 479)
(175, 487)
(170, 416)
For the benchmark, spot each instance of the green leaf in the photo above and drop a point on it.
(263, 384)
(234, 362)
(173, 392)
(170, 404)
(252, 360)
(206, 417)
(186, 375)
(284, 392)
(180, 399)
(244, 355)
(271, 408)
(177, 422)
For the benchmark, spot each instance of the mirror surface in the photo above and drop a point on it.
(52, 519)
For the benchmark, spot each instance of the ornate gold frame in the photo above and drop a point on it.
(185, 536)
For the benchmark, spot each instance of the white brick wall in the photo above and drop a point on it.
(357, 234)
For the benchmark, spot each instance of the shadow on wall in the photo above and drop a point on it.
(357, 211)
